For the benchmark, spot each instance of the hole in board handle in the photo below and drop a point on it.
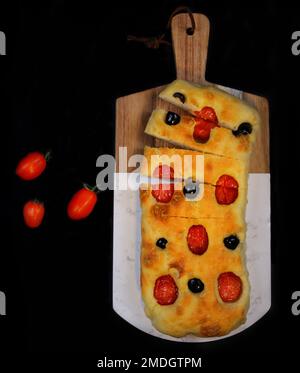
(190, 31)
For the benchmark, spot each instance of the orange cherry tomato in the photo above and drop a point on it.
(31, 166)
(33, 213)
(81, 204)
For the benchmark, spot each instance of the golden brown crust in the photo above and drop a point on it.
(230, 110)
(206, 207)
(196, 165)
(202, 314)
(221, 142)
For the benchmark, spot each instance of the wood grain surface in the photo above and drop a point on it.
(190, 52)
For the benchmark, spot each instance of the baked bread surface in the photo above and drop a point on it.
(222, 141)
(231, 111)
(204, 314)
(206, 168)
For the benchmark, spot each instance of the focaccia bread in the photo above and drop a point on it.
(193, 273)
(217, 140)
(205, 168)
(196, 305)
(230, 110)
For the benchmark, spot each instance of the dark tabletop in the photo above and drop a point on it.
(66, 64)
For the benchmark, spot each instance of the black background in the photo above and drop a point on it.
(66, 64)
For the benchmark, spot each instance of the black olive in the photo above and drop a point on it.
(161, 243)
(243, 129)
(195, 285)
(172, 118)
(191, 189)
(231, 242)
(180, 96)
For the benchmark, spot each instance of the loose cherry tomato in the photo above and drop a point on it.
(33, 213)
(163, 192)
(81, 204)
(197, 239)
(227, 190)
(229, 286)
(31, 166)
(165, 290)
(164, 172)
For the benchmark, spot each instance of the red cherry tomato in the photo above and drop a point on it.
(165, 290)
(31, 166)
(207, 113)
(202, 130)
(163, 192)
(229, 286)
(206, 120)
(227, 190)
(33, 213)
(197, 239)
(81, 204)
(164, 172)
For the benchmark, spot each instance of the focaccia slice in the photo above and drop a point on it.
(201, 313)
(203, 204)
(222, 141)
(206, 168)
(231, 111)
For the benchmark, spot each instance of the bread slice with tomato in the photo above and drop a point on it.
(192, 200)
(230, 111)
(186, 266)
(188, 164)
(199, 134)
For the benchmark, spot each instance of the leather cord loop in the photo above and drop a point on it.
(156, 41)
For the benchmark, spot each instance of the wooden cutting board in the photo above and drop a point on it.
(190, 51)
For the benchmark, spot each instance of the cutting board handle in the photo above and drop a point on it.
(190, 50)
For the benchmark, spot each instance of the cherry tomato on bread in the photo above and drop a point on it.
(163, 192)
(229, 286)
(165, 290)
(227, 190)
(164, 172)
(197, 239)
(206, 119)
(202, 130)
(207, 113)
